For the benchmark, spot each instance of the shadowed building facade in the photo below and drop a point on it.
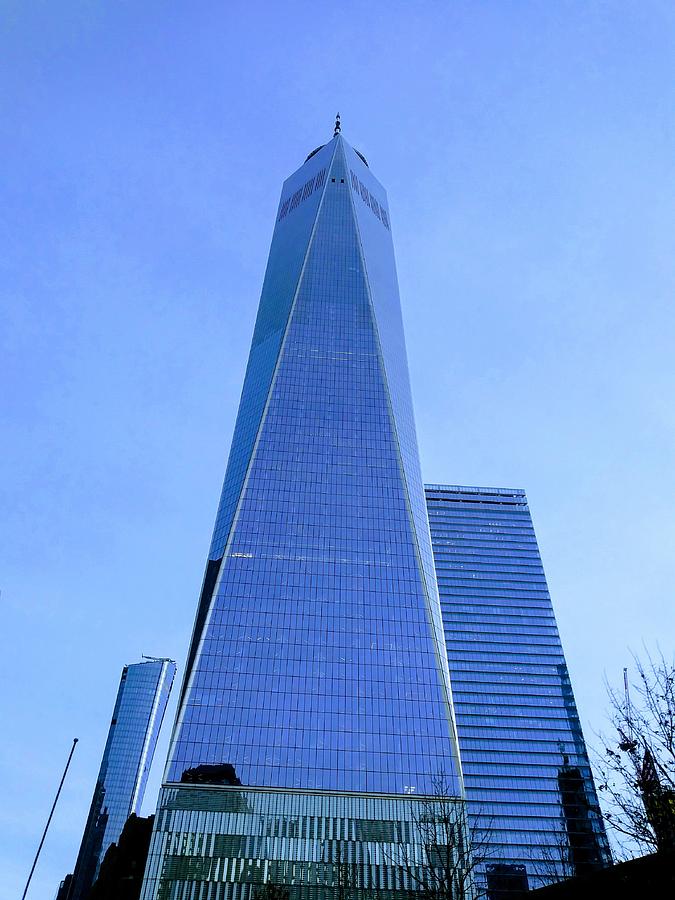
(316, 713)
(136, 721)
(529, 788)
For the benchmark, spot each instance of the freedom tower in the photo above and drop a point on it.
(315, 723)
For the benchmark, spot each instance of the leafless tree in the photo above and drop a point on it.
(636, 762)
(550, 861)
(441, 861)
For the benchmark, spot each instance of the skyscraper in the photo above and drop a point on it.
(316, 717)
(529, 788)
(136, 721)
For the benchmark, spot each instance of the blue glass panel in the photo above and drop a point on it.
(296, 217)
(373, 221)
(300, 198)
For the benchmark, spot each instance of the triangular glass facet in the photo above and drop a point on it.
(318, 666)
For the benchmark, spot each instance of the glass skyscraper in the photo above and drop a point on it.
(316, 718)
(136, 721)
(530, 795)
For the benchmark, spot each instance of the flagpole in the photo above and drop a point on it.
(44, 833)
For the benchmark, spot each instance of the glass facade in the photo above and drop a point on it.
(530, 795)
(136, 721)
(214, 843)
(317, 669)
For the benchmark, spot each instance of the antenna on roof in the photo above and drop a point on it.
(337, 125)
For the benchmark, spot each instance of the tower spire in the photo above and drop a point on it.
(337, 125)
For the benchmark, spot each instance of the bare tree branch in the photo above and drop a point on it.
(441, 862)
(636, 762)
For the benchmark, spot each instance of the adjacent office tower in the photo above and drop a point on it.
(316, 714)
(136, 720)
(529, 788)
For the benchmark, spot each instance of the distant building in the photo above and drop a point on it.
(137, 718)
(528, 781)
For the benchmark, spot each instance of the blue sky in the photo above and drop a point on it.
(527, 149)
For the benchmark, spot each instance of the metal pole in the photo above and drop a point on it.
(44, 833)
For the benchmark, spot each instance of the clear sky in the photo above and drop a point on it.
(528, 151)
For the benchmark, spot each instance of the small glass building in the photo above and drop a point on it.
(136, 721)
